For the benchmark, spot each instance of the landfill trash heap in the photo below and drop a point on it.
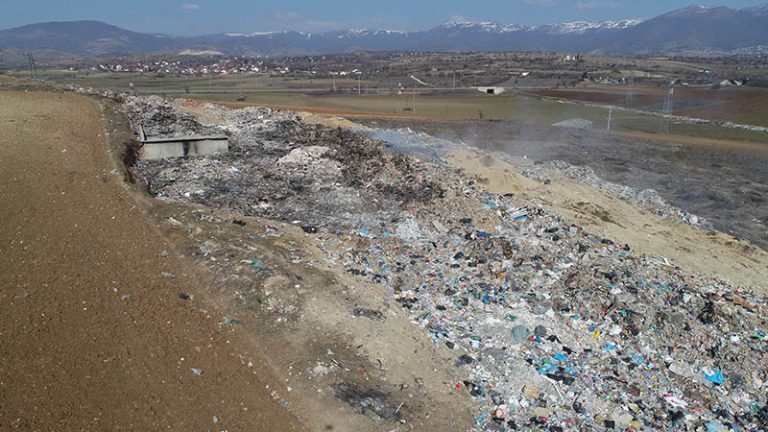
(647, 198)
(553, 329)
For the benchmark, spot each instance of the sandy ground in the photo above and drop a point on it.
(94, 337)
(606, 215)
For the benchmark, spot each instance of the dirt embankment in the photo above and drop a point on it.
(603, 214)
(122, 312)
(95, 333)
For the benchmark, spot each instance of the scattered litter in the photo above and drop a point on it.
(369, 313)
(227, 321)
(552, 328)
(255, 264)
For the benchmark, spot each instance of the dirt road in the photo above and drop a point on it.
(95, 334)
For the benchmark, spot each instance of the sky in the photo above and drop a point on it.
(198, 17)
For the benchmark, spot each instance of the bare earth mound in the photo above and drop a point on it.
(94, 333)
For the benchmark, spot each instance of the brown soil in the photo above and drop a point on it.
(94, 337)
(96, 334)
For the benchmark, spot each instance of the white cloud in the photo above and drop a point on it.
(190, 6)
(596, 4)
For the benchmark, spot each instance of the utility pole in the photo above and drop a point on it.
(32, 67)
(414, 101)
(454, 81)
(359, 86)
(240, 94)
(334, 83)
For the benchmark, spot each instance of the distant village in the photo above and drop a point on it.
(547, 69)
(221, 67)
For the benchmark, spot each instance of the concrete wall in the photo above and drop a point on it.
(492, 90)
(174, 149)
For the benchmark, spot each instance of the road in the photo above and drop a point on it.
(95, 334)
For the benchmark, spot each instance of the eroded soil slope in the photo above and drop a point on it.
(95, 334)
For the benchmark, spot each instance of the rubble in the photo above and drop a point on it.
(553, 329)
(279, 167)
(647, 198)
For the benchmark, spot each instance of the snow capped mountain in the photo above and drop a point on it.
(486, 26)
(580, 27)
(257, 34)
(354, 33)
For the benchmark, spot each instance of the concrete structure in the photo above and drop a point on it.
(181, 146)
(491, 90)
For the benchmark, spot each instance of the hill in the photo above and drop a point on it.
(695, 29)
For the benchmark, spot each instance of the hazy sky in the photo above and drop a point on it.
(195, 17)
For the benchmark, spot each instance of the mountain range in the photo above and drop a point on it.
(696, 29)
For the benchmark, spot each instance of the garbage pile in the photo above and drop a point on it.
(279, 167)
(647, 198)
(159, 119)
(557, 330)
(114, 95)
(553, 329)
(429, 147)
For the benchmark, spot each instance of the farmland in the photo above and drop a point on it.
(397, 96)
